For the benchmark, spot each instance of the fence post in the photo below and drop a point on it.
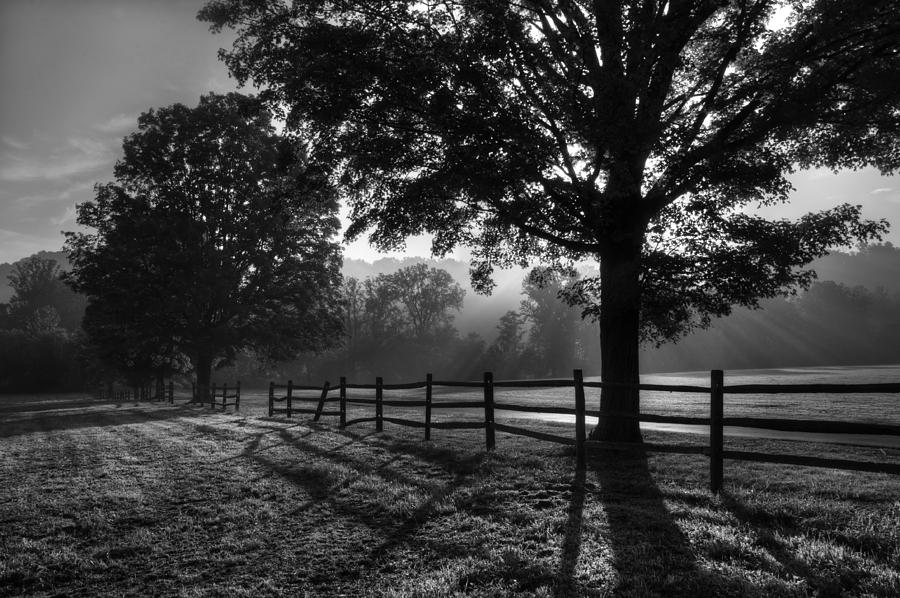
(237, 397)
(379, 407)
(321, 404)
(171, 393)
(343, 401)
(427, 406)
(716, 440)
(224, 397)
(271, 398)
(290, 392)
(579, 419)
(489, 411)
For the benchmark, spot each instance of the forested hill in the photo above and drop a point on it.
(850, 316)
(6, 269)
(873, 267)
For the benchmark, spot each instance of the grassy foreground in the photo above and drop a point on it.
(140, 499)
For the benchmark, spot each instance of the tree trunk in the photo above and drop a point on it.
(160, 383)
(620, 299)
(203, 370)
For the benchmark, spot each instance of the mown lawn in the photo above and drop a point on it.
(150, 499)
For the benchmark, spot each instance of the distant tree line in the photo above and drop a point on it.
(41, 343)
(403, 324)
(395, 324)
(829, 324)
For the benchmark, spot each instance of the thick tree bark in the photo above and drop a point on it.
(620, 299)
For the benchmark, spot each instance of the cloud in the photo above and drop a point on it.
(75, 188)
(66, 217)
(881, 190)
(120, 123)
(38, 170)
(13, 143)
(80, 156)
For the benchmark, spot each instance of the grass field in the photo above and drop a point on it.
(100, 499)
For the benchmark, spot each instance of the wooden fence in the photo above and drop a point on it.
(161, 392)
(716, 421)
(289, 398)
(217, 396)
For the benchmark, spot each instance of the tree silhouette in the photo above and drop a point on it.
(553, 322)
(215, 237)
(38, 287)
(427, 296)
(637, 132)
(504, 356)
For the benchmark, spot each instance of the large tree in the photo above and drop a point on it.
(216, 236)
(640, 133)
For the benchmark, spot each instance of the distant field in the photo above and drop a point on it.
(149, 499)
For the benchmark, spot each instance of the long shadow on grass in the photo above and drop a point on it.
(571, 549)
(50, 421)
(768, 527)
(650, 553)
(323, 483)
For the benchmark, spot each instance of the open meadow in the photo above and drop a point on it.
(135, 499)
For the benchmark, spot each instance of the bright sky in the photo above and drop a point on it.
(75, 74)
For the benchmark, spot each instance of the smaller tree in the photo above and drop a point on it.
(553, 324)
(427, 295)
(216, 237)
(504, 355)
(38, 286)
(400, 324)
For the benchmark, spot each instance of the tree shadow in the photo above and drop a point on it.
(769, 527)
(650, 553)
(59, 419)
(571, 548)
(53, 405)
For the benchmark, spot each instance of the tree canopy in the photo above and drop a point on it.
(400, 318)
(637, 132)
(39, 293)
(215, 237)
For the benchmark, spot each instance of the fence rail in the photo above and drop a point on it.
(220, 397)
(160, 392)
(716, 421)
